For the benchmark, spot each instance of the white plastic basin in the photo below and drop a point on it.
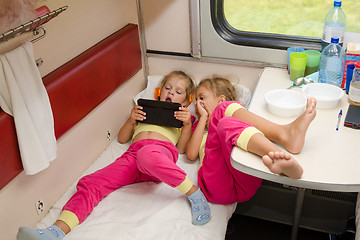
(327, 95)
(285, 102)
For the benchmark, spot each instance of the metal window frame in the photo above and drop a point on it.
(252, 39)
(194, 9)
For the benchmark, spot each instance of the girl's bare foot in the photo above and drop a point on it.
(294, 138)
(282, 163)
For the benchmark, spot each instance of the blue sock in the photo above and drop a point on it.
(200, 208)
(50, 233)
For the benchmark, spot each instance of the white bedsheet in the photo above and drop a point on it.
(143, 210)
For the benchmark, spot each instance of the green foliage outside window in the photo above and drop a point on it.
(288, 17)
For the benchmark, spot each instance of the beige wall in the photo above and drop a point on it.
(83, 24)
(167, 28)
(247, 76)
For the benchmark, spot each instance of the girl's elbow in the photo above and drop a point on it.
(122, 140)
(191, 157)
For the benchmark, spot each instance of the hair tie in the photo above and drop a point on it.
(157, 93)
(191, 98)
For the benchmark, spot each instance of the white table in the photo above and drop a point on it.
(330, 158)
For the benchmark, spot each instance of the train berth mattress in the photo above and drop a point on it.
(146, 210)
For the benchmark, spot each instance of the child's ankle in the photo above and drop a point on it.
(51, 233)
(200, 208)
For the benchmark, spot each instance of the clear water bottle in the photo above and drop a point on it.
(331, 67)
(334, 26)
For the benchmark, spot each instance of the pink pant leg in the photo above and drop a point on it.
(156, 162)
(159, 160)
(91, 189)
(220, 182)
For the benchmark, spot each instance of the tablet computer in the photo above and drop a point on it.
(352, 118)
(160, 113)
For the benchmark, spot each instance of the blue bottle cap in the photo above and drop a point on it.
(337, 3)
(334, 40)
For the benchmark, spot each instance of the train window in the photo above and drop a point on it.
(226, 31)
(287, 18)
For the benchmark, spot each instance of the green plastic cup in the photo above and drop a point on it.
(297, 65)
(312, 62)
(291, 50)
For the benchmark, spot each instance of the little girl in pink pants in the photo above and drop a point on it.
(223, 124)
(220, 182)
(152, 156)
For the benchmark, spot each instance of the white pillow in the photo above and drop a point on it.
(149, 92)
(243, 93)
(155, 80)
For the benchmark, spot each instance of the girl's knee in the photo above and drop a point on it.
(86, 183)
(149, 155)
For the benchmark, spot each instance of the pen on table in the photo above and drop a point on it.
(338, 122)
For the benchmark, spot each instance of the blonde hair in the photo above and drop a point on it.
(220, 86)
(190, 86)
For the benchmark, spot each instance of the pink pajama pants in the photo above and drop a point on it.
(145, 160)
(219, 181)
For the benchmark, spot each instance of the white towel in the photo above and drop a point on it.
(23, 95)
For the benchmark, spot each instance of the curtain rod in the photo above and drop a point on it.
(32, 25)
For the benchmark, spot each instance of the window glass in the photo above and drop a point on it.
(288, 17)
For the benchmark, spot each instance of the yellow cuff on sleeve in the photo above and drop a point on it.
(185, 186)
(69, 218)
(232, 108)
(245, 136)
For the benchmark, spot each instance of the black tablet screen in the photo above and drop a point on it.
(160, 113)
